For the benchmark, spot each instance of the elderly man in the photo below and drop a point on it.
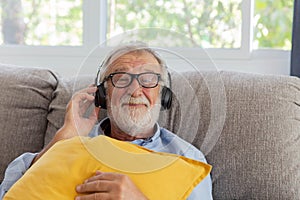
(132, 79)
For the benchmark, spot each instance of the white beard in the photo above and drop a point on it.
(134, 121)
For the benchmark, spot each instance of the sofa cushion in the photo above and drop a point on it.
(254, 145)
(24, 102)
(70, 162)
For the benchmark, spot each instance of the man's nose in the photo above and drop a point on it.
(135, 89)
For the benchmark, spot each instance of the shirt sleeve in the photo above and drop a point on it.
(203, 190)
(15, 171)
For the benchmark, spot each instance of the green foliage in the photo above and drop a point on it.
(273, 23)
(204, 23)
(53, 23)
(213, 23)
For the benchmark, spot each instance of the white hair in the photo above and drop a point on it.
(132, 47)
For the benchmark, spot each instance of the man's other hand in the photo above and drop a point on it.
(106, 185)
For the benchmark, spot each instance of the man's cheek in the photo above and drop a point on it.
(115, 103)
(113, 98)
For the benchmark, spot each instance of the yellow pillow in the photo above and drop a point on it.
(69, 162)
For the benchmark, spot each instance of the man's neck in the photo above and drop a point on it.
(118, 134)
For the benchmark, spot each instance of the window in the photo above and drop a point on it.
(273, 24)
(228, 30)
(41, 23)
(204, 23)
(209, 24)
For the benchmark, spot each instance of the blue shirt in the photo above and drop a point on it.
(162, 141)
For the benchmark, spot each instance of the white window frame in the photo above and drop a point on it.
(94, 33)
(91, 36)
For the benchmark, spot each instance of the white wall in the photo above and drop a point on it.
(262, 62)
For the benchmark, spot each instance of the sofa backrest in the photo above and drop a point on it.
(247, 125)
(24, 105)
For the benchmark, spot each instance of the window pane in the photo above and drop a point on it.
(37, 22)
(214, 23)
(273, 24)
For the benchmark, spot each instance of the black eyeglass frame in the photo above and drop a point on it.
(133, 76)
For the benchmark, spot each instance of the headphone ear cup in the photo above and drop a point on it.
(100, 96)
(166, 98)
(97, 104)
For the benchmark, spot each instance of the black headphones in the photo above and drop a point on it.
(100, 95)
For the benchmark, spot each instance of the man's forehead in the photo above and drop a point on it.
(142, 60)
(140, 68)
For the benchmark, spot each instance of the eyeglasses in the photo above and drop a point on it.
(124, 79)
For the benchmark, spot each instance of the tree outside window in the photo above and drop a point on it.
(209, 24)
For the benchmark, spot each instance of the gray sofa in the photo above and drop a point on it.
(247, 125)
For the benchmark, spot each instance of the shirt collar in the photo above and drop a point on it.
(104, 129)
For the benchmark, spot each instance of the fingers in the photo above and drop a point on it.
(76, 118)
(85, 94)
(94, 196)
(106, 185)
(101, 182)
(94, 186)
(101, 176)
(85, 103)
(83, 99)
(90, 89)
(82, 95)
(94, 115)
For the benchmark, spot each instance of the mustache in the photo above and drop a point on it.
(135, 100)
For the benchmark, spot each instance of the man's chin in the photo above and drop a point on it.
(134, 120)
(135, 107)
(136, 130)
(135, 123)
(135, 113)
